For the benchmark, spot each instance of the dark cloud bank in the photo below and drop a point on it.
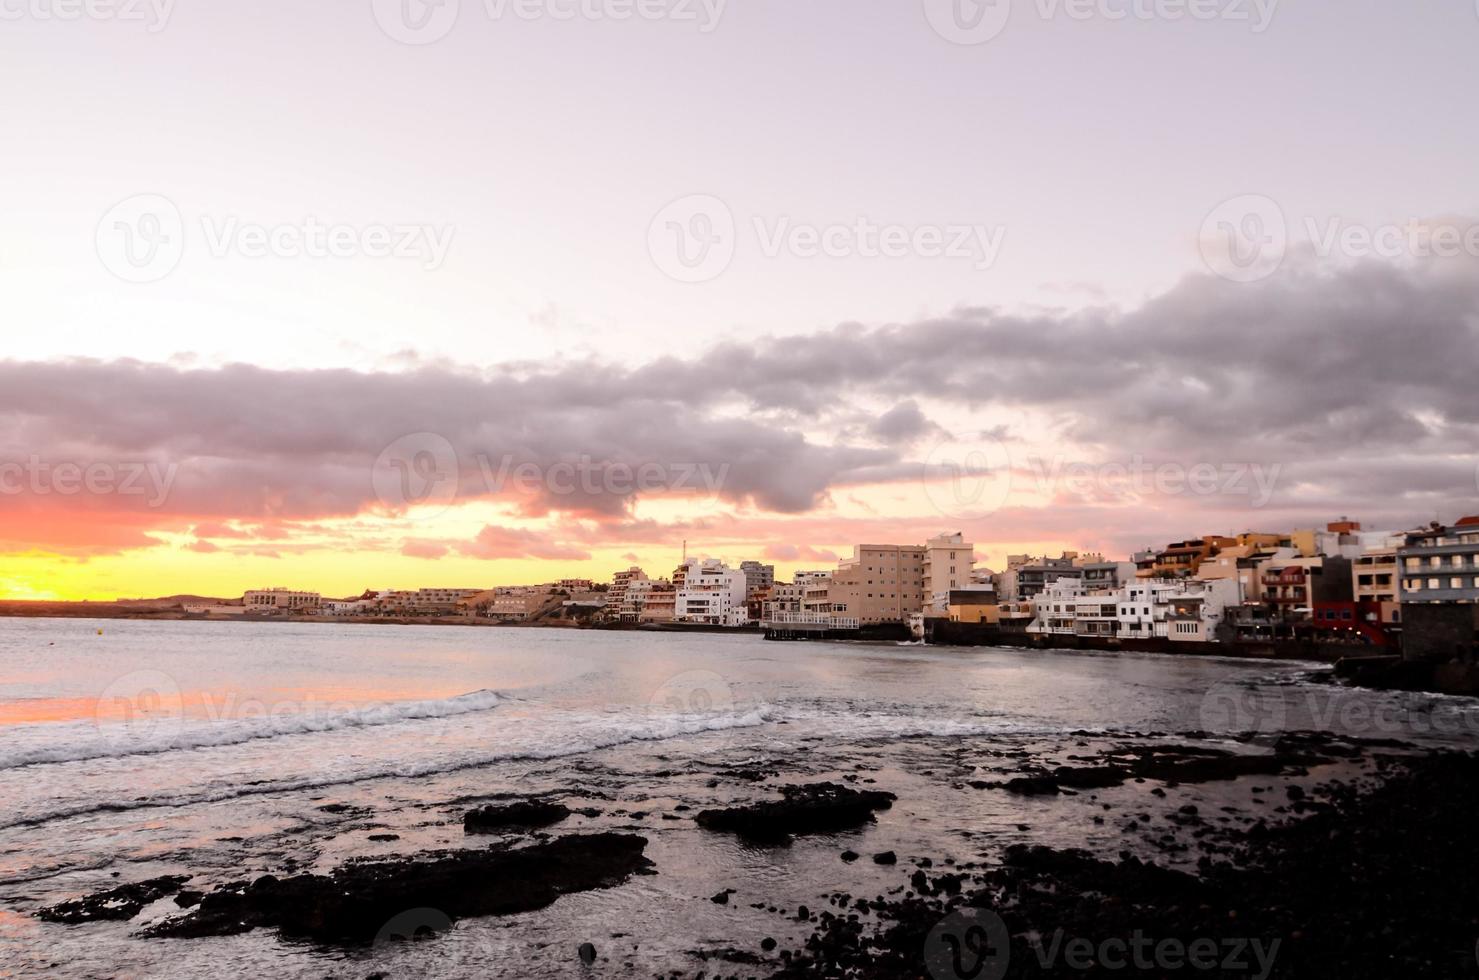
(1363, 384)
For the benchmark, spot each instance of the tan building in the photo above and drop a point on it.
(279, 600)
(659, 605)
(948, 562)
(880, 583)
(1375, 579)
(519, 603)
(974, 606)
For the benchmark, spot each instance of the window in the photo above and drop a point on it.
(1435, 583)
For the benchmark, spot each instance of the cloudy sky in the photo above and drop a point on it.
(393, 294)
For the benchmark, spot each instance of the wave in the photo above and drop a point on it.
(650, 730)
(120, 743)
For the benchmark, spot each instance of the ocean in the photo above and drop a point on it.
(226, 751)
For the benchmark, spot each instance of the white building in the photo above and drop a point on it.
(1180, 609)
(712, 593)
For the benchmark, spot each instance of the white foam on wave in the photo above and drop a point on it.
(171, 735)
(577, 735)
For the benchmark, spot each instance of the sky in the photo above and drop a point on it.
(388, 294)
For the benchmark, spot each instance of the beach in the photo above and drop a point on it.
(225, 761)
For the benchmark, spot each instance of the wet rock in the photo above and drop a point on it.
(356, 900)
(116, 904)
(494, 818)
(587, 953)
(886, 857)
(818, 808)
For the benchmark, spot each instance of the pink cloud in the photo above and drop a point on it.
(495, 542)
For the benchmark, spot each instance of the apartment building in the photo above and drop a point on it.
(279, 600)
(948, 563)
(1376, 582)
(621, 583)
(880, 583)
(1030, 579)
(659, 604)
(1441, 564)
(712, 593)
(757, 576)
(1175, 609)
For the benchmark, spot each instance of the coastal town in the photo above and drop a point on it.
(1339, 584)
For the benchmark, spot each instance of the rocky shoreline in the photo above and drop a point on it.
(1298, 854)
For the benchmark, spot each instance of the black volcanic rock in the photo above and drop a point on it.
(115, 904)
(818, 808)
(527, 813)
(356, 900)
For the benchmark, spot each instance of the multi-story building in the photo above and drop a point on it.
(1441, 564)
(1292, 586)
(757, 576)
(1377, 582)
(521, 602)
(880, 583)
(1029, 580)
(784, 597)
(1106, 575)
(621, 582)
(1182, 558)
(816, 596)
(1175, 609)
(948, 562)
(659, 605)
(279, 600)
(1438, 576)
(712, 593)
